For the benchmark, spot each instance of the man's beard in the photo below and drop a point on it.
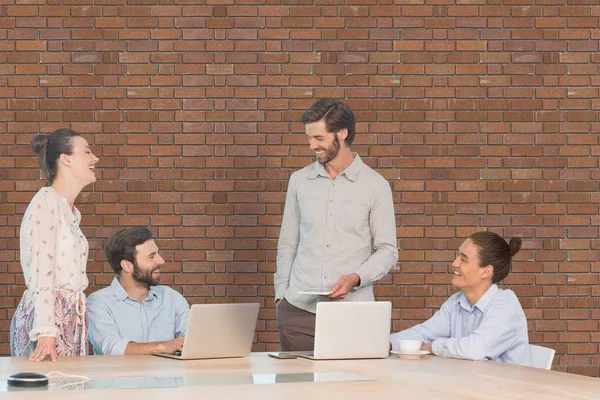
(144, 278)
(332, 151)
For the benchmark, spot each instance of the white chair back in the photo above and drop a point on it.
(541, 357)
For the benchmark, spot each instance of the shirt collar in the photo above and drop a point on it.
(120, 293)
(75, 214)
(152, 293)
(483, 302)
(351, 171)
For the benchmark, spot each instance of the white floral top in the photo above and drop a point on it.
(54, 255)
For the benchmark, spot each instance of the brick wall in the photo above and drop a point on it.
(480, 113)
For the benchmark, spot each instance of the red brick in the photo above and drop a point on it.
(195, 112)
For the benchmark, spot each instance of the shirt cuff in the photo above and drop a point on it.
(111, 347)
(280, 291)
(364, 280)
(119, 347)
(35, 334)
(394, 342)
(438, 347)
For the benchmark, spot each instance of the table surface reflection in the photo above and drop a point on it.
(163, 382)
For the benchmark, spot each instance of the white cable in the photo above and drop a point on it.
(70, 384)
(82, 379)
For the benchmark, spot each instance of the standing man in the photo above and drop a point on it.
(338, 230)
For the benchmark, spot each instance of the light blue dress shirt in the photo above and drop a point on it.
(495, 328)
(117, 319)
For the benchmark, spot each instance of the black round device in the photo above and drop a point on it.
(27, 379)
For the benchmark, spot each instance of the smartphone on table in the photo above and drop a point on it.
(283, 355)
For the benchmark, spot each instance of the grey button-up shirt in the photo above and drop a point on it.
(335, 227)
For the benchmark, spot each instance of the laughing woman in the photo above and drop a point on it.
(51, 318)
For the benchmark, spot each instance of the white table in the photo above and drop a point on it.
(426, 378)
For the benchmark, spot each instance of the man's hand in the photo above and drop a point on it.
(45, 346)
(343, 286)
(277, 302)
(171, 346)
(427, 347)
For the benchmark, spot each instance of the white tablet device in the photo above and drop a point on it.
(316, 291)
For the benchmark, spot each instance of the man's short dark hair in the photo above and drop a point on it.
(337, 116)
(121, 246)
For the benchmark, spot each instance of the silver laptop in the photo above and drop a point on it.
(351, 330)
(218, 331)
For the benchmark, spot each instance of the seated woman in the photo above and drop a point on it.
(481, 321)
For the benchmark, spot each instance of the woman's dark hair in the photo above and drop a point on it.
(337, 116)
(494, 251)
(49, 148)
(121, 246)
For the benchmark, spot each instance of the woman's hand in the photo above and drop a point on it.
(45, 346)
